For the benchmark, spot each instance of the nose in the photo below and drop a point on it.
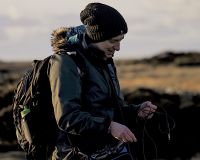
(117, 46)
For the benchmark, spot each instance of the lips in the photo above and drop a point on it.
(111, 55)
(111, 51)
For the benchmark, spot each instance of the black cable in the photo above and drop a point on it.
(144, 130)
(167, 118)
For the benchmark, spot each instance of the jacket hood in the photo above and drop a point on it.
(64, 39)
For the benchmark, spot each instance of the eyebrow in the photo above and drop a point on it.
(117, 39)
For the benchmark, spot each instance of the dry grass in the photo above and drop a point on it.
(136, 75)
(162, 77)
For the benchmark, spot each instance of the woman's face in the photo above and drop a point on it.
(109, 46)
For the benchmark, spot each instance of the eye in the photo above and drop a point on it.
(114, 41)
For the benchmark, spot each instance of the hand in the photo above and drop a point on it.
(147, 110)
(121, 132)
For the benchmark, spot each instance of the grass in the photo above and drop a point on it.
(134, 75)
(162, 77)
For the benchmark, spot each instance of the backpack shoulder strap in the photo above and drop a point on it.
(37, 76)
(79, 61)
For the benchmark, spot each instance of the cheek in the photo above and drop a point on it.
(108, 47)
(105, 46)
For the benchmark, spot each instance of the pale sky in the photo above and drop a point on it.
(154, 26)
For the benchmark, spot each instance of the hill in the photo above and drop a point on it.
(171, 72)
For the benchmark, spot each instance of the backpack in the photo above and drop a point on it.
(33, 113)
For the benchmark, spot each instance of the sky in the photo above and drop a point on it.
(154, 26)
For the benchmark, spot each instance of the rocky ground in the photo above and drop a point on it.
(165, 79)
(12, 155)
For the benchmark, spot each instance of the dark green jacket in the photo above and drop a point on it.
(86, 98)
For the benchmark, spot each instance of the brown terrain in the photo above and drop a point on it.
(170, 80)
(167, 72)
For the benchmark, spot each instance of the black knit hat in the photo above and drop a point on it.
(102, 22)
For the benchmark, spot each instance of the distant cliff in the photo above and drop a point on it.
(174, 58)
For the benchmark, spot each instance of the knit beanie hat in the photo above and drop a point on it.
(102, 22)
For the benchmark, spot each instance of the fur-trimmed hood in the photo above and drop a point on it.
(64, 38)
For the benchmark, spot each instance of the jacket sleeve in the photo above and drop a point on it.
(65, 85)
(131, 109)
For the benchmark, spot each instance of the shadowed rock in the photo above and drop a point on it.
(178, 116)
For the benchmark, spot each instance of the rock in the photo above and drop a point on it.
(181, 59)
(179, 117)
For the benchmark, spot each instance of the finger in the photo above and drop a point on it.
(153, 106)
(150, 116)
(149, 109)
(149, 104)
(146, 114)
(131, 137)
(122, 139)
(142, 114)
(127, 136)
(146, 110)
(118, 138)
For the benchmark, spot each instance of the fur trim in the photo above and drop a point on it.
(59, 39)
